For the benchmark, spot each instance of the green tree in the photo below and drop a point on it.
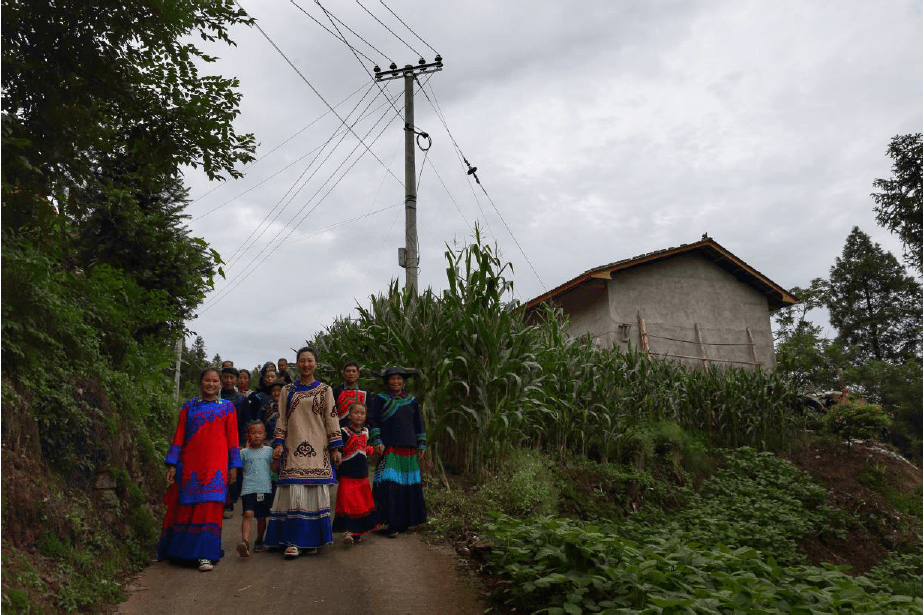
(873, 304)
(898, 205)
(801, 351)
(93, 82)
(143, 233)
(194, 361)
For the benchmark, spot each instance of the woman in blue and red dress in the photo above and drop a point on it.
(396, 432)
(203, 458)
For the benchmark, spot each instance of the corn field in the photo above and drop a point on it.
(489, 382)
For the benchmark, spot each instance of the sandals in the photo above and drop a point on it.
(291, 552)
(205, 565)
(348, 538)
(243, 549)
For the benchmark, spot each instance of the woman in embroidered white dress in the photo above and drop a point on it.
(307, 443)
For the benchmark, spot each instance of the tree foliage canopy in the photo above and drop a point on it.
(89, 83)
(898, 205)
(874, 305)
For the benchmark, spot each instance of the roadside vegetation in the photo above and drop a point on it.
(576, 478)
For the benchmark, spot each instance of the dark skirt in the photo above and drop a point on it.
(354, 510)
(398, 492)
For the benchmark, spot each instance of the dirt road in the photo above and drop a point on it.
(377, 575)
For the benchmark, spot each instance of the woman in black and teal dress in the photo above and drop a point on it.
(396, 432)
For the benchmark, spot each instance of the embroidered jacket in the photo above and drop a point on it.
(307, 428)
(204, 448)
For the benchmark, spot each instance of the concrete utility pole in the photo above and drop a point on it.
(407, 256)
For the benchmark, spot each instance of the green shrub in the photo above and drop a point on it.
(522, 485)
(899, 573)
(560, 566)
(16, 601)
(855, 420)
(454, 514)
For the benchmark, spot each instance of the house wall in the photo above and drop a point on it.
(671, 295)
(588, 311)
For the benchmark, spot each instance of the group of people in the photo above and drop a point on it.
(319, 437)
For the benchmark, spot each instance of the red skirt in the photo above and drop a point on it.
(354, 510)
(190, 531)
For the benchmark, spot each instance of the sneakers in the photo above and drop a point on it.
(348, 538)
(243, 549)
(258, 547)
(205, 565)
(291, 552)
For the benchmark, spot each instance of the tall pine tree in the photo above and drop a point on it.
(873, 304)
(898, 206)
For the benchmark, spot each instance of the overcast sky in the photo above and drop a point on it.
(601, 130)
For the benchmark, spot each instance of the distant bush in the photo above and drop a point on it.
(856, 420)
(522, 485)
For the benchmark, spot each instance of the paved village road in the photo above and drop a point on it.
(377, 575)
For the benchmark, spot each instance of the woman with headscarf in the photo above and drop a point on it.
(396, 433)
(307, 443)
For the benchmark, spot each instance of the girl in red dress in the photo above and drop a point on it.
(354, 511)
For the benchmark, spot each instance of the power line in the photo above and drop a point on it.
(340, 37)
(336, 225)
(451, 198)
(239, 279)
(471, 171)
(409, 28)
(308, 83)
(389, 29)
(536, 273)
(337, 279)
(267, 154)
(331, 17)
(310, 164)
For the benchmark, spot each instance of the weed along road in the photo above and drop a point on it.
(378, 575)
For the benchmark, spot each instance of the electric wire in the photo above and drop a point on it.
(310, 85)
(336, 225)
(285, 168)
(342, 134)
(451, 198)
(389, 29)
(340, 37)
(378, 253)
(339, 276)
(317, 169)
(241, 277)
(267, 154)
(509, 230)
(409, 28)
(331, 17)
(471, 171)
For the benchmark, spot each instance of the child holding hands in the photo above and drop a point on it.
(354, 510)
(256, 492)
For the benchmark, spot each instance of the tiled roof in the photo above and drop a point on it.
(777, 296)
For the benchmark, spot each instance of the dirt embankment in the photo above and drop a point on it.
(882, 491)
